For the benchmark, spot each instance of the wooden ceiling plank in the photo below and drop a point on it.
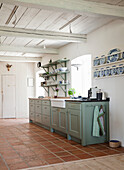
(27, 17)
(27, 33)
(8, 40)
(50, 20)
(4, 13)
(11, 15)
(20, 59)
(78, 6)
(60, 21)
(68, 23)
(28, 49)
(111, 2)
(39, 19)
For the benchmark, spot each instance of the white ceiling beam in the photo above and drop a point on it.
(77, 6)
(50, 35)
(20, 59)
(39, 50)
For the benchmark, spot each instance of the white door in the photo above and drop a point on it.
(8, 98)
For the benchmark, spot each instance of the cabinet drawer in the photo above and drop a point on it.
(46, 110)
(76, 106)
(38, 102)
(31, 116)
(31, 101)
(46, 120)
(31, 107)
(38, 118)
(38, 109)
(46, 102)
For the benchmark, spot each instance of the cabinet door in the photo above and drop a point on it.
(38, 109)
(62, 120)
(46, 110)
(31, 116)
(38, 118)
(74, 123)
(88, 115)
(54, 118)
(46, 120)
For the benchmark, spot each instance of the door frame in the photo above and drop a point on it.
(2, 91)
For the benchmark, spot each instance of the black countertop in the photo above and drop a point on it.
(87, 100)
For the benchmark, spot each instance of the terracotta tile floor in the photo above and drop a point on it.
(25, 145)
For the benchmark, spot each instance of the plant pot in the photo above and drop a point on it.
(114, 143)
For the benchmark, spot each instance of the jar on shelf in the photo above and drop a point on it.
(120, 69)
(102, 72)
(102, 60)
(113, 70)
(96, 61)
(107, 73)
(97, 73)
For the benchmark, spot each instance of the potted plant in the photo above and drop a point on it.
(71, 92)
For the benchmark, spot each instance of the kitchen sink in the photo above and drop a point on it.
(58, 103)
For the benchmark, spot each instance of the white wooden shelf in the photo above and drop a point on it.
(112, 63)
(109, 64)
(111, 76)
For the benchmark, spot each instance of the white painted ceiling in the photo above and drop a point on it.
(48, 20)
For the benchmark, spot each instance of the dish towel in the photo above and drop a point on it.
(101, 121)
(96, 128)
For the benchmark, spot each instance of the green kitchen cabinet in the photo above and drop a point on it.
(87, 123)
(31, 110)
(74, 119)
(54, 118)
(59, 119)
(62, 123)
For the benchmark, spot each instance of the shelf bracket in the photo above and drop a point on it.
(52, 78)
(52, 88)
(61, 64)
(62, 89)
(44, 69)
(45, 89)
(62, 77)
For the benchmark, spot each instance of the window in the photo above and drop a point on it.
(81, 75)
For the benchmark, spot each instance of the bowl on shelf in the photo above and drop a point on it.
(63, 69)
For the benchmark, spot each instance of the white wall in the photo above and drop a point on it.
(98, 43)
(22, 71)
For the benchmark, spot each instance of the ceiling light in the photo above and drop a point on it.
(76, 65)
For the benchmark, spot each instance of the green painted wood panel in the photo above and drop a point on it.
(87, 123)
(45, 120)
(74, 123)
(62, 122)
(46, 110)
(38, 109)
(54, 118)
